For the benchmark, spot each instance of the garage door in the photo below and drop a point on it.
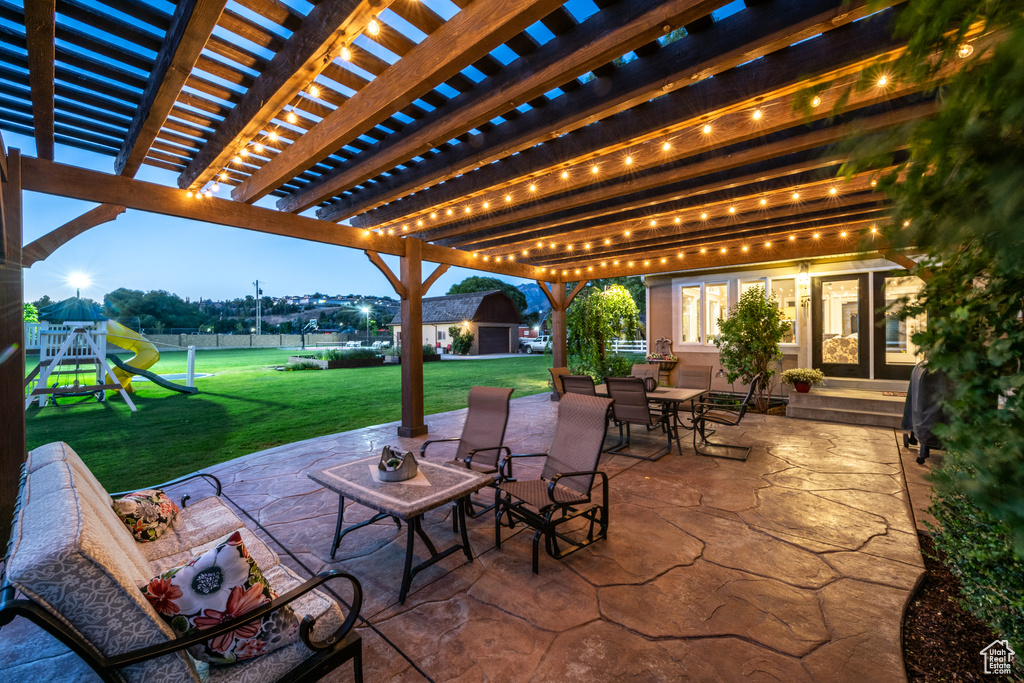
(493, 340)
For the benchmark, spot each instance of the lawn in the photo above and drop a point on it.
(248, 406)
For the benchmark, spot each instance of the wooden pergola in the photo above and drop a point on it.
(549, 140)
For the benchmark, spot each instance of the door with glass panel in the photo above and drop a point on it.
(840, 324)
(895, 351)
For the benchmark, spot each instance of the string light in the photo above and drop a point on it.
(732, 209)
(433, 214)
(653, 222)
(565, 175)
(796, 196)
(815, 101)
(629, 161)
(237, 159)
(815, 235)
(533, 188)
(373, 28)
(604, 263)
(965, 51)
(704, 216)
(215, 187)
(626, 233)
(487, 205)
(874, 183)
(666, 147)
(607, 242)
(842, 234)
(706, 129)
(874, 229)
(524, 252)
(291, 117)
(767, 245)
(467, 209)
(792, 237)
(189, 194)
(223, 175)
(703, 250)
(593, 169)
(723, 250)
(745, 247)
(346, 54)
(678, 220)
(757, 115)
(366, 233)
(587, 245)
(883, 81)
(391, 231)
(273, 136)
(540, 244)
(630, 264)
(419, 222)
(243, 152)
(679, 255)
(449, 212)
(257, 147)
(833, 190)
(764, 202)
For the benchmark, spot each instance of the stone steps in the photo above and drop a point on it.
(849, 406)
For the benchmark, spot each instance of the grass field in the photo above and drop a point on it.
(248, 406)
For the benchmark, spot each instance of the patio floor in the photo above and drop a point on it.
(794, 565)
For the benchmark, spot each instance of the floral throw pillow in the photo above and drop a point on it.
(219, 585)
(147, 514)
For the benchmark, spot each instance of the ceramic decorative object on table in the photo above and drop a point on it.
(395, 465)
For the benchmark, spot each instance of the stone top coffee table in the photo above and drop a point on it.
(435, 485)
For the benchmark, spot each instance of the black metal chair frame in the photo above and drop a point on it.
(344, 644)
(544, 520)
(470, 510)
(701, 416)
(664, 418)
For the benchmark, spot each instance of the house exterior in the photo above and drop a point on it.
(491, 316)
(836, 306)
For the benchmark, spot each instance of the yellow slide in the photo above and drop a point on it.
(145, 356)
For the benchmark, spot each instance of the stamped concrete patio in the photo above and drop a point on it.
(794, 565)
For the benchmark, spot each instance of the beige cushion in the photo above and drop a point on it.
(61, 452)
(74, 557)
(274, 665)
(197, 524)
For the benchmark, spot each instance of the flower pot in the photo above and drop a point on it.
(802, 387)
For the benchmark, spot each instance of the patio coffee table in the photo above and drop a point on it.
(404, 500)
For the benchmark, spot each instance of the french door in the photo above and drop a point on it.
(841, 325)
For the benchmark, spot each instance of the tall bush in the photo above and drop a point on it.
(748, 342)
(461, 341)
(594, 317)
(957, 198)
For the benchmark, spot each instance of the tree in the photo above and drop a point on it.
(594, 317)
(31, 314)
(485, 284)
(957, 197)
(633, 284)
(748, 342)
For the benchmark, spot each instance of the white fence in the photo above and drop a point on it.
(32, 336)
(627, 345)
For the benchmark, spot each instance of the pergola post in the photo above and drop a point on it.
(12, 342)
(411, 273)
(559, 300)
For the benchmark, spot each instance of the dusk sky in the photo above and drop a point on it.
(145, 251)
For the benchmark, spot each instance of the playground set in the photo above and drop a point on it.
(73, 345)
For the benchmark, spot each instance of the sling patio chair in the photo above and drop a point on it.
(483, 433)
(644, 370)
(721, 414)
(556, 379)
(631, 407)
(693, 377)
(563, 492)
(579, 384)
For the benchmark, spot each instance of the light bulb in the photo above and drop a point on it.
(237, 159)
(842, 234)
(243, 152)
(882, 81)
(565, 175)
(678, 219)
(764, 201)
(433, 214)
(629, 161)
(607, 242)
(757, 114)
(272, 136)
(815, 101)
(732, 209)
(816, 235)
(419, 222)
(373, 28)
(706, 129)
(653, 222)
(587, 245)
(405, 228)
(189, 194)
(346, 54)
(223, 175)
(215, 187)
(666, 147)
(593, 169)
(533, 188)
(796, 196)
(291, 117)
(487, 205)
(449, 212)
(965, 51)
(792, 237)
(626, 233)
(257, 148)
(767, 245)
(467, 209)
(745, 248)
(508, 198)
(703, 216)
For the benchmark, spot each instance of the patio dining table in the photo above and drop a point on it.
(435, 485)
(670, 397)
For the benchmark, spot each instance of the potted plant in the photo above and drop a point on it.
(748, 342)
(803, 378)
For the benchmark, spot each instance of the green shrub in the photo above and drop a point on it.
(806, 375)
(594, 316)
(748, 343)
(461, 341)
(302, 365)
(428, 350)
(980, 552)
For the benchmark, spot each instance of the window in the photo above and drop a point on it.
(691, 315)
(441, 335)
(717, 307)
(747, 285)
(900, 348)
(784, 292)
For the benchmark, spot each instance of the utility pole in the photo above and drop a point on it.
(259, 308)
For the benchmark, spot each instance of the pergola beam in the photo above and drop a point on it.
(12, 340)
(41, 248)
(191, 26)
(752, 153)
(598, 40)
(62, 180)
(748, 34)
(310, 49)
(40, 28)
(462, 40)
